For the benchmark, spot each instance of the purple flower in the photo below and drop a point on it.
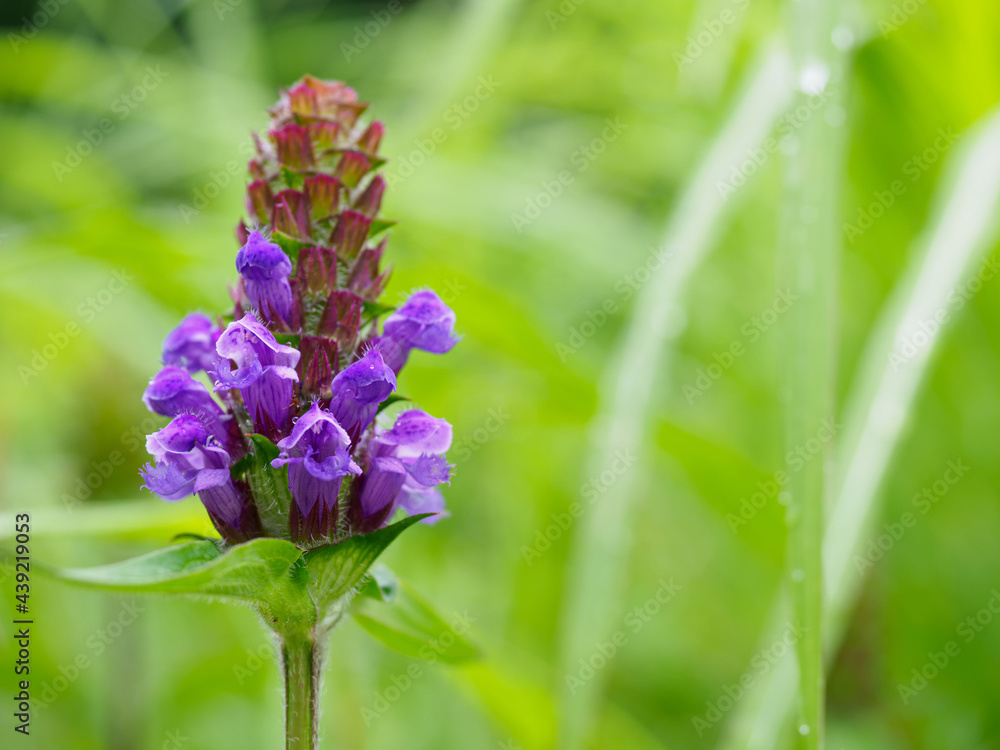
(381, 485)
(187, 463)
(265, 371)
(358, 389)
(191, 344)
(265, 269)
(423, 322)
(318, 460)
(418, 442)
(174, 392)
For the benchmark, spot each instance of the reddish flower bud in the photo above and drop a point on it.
(370, 200)
(352, 167)
(364, 279)
(371, 138)
(324, 195)
(293, 146)
(317, 366)
(350, 233)
(260, 201)
(317, 270)
(325, 134)
(342, 318)
(303, 100)
(292, 213)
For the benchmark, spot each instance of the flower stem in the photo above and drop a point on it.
(301, 662)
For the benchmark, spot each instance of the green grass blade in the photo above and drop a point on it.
(964, 229)
(598, 555)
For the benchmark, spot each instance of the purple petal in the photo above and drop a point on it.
(307, 490)
(315, 428)
(423, 501)
(265, 370)
(180, 436)
(416, 432)
(223, 501)
(429, 471)
(191, 344)
(382, 483)
(358, 390)
(265, 269)
(423, 322)
(173, 392)
(167, 481)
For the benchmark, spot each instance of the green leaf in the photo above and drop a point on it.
(293, 179)
(412, 626)
(336, 569)
(188, 536)
(380, 583)
(291, 245)
(269, 485)
(253, 571)
(378, 226)
(372, 310)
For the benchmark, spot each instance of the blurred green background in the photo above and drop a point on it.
(537, 152)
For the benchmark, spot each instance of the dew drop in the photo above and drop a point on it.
(813, 77)
(842, 38)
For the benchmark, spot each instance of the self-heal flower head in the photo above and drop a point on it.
(191, 345)
(423, 322)
(358, 389)
(264, 372)
(187, 463)
(265, 270)
(317, 456)
(418, 441)
(308, 358)
(173, 392)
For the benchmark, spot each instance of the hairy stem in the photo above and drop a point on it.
(301, 664)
